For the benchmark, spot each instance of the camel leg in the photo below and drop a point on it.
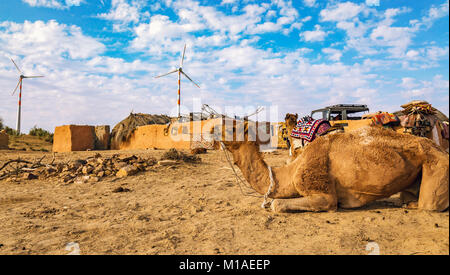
(315, 202)
(410, 196)
(434, 187)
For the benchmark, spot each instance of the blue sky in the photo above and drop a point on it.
(99, 56)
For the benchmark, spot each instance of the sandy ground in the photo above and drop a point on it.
(195, 209)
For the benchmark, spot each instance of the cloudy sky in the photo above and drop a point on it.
(99, 56)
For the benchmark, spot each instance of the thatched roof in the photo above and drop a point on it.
(123, 130)
(441, 116)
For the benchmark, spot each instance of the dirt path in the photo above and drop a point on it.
(195, 209)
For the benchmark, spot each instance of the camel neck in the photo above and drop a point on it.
(256, 172)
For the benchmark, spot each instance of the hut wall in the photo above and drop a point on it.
(102, 136)
(178, 135)
(4, 139)
(69, 138)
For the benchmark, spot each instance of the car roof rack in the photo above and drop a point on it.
(350, 108)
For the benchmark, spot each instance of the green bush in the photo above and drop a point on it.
(41, 133)
(10, 131)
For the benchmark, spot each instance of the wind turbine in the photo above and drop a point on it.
(21, 77)
(180, 72)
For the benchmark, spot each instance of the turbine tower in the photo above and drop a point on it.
(180, 72)
(21, 77)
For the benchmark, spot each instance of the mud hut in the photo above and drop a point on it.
(124, 129)
(419, 118)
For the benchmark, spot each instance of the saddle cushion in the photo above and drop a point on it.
(307, 128)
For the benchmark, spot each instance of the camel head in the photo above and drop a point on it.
(291, 119)
(236, 133)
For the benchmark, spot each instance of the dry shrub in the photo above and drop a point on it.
(173, 154)
(197, 151)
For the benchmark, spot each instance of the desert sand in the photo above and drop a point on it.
(195, 208)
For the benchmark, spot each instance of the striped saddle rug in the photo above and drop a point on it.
(307, 128)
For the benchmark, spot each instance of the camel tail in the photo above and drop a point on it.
(434, 194)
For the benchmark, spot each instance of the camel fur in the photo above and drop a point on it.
(350, 170)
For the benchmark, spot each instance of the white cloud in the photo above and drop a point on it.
(224, 2)
(422, 89)
(309, 3)
(412, 54)
(435, 13)
(341, 12)
(313, 36)
(396, 39)
(48, 39)
(162, 33)
(353, 29)
(56, 4)
(306, 19)
(333, 54)
(435, 53)
(74, 2)
(373, 2)
(409, 83)
(122, 14)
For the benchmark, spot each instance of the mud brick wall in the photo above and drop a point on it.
(102, 137)
(4, 139)
(68, 138)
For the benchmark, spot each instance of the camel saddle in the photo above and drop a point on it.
(308, 129)
(383, 118)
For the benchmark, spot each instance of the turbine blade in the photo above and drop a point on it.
(182, 58)
(16, 87)
(171, 72)
(35, 76)
(189, 78)
(17, 67)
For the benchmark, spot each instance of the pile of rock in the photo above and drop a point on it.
(92, 169)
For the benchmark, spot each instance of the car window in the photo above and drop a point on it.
(355, 116)
(319, 115)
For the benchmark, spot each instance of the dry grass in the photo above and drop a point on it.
(29, 143)
(173, 154)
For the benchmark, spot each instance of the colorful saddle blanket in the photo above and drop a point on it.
(384, 118)
(308, 128)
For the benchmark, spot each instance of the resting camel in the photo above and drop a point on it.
(348, 170)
